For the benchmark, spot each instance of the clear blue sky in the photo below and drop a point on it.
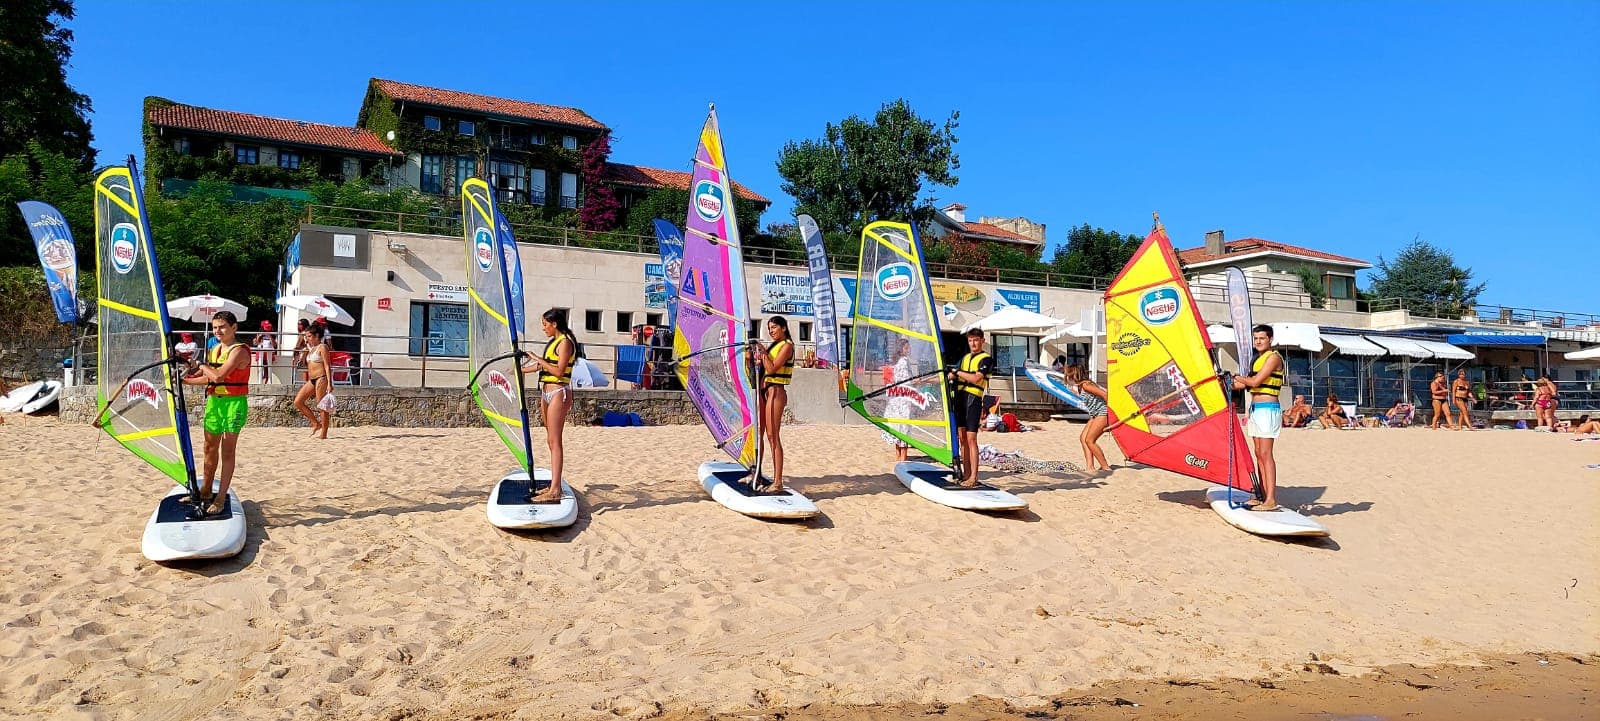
(1348, 127)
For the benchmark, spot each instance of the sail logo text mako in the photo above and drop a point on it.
(142, 390)
(1129, 343)
(894, 281)
(483, 249)
(1159, 306)
(708, 201)
(124, 247)
(500, 382)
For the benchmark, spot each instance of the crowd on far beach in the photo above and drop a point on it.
(1452, 403)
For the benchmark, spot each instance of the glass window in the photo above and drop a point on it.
(536, 137)
(181, 146)
(755, 328)
(466, 167)
(430, 122)
(510, 180)
(592, 321)
(433, 173)
(569, 190)
(805, 331)
(1011, 352)
(537, 186)
(1338, 286)
(652, 319)
(569, 142)
(467, 127)
(288, 159)
(624, 321)
(439, 329)
(246, 154)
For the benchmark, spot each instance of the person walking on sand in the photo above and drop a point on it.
(226, 376)
(777, 369)
(969, 380)
(316, 385)
(1461, 391)
(554, 367)
(1265, 383)
(1441, 401)
(1094, 401)
(1544, 403)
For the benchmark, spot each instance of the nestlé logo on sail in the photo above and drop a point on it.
(708, 200)
(124, 247)
(894, 281)
(483, 249)
(1159, 306)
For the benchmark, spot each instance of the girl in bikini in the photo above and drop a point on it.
(1462, 390)
(1441, 395)
(1544, 403)
(1094, 399)
(316, 385)
(554, 367)
(777, 368)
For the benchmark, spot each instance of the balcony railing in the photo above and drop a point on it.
(1488, 314)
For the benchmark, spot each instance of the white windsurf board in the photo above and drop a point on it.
(45, 397)
(938, 484)
(172, 535)
(728, 484)
(20, 396)
(509, 507)
(1281, 522)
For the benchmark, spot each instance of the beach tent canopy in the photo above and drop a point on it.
(1401, 346)
(1445, 350)
(1015, 318)
(1352, 345)
(1303, 336)
(1585, 354)
(1219, 334)
(1074, 330)
(1494, 339)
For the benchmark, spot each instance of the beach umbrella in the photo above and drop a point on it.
(1016, 318)
(318, 306)
(1585, 354)
(200, 308)
(586, 374)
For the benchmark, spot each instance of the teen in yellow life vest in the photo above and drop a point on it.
(968, 382)
(777, 369)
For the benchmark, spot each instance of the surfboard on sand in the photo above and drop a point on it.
(940, 485)
(728, 484)
(509, 506)
(1281, 522)
(174, 533)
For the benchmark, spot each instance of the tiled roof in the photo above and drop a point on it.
(260, 127)
(643, 177)
(995, 231)
(1246, 246)
(488, 104)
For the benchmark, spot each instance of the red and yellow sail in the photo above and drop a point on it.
(1167, 404)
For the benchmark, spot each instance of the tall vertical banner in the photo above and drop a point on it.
(670, 240)
(822, 307)
(57, 255)
(1239, 314)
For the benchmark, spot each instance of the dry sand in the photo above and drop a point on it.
(373, 587)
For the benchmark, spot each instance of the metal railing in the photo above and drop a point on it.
(1489, 314)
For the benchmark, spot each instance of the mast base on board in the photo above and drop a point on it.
(172, 535)
(1281, 522)
(728, 484)
(509, 505)
(939, 484)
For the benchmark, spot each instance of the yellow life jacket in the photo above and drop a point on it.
(969, 364)
(1274, 383)
(782, 376)
(552, 354)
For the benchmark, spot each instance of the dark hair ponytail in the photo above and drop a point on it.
(783, 323)
(558, 318)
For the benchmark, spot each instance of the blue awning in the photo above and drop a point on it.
(1494, 339)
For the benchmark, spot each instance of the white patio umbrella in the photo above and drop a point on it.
(1014, 317)
(1585, 354)
(200, 308)
(318, 306)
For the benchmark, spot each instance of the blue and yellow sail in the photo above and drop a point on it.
(496, 319)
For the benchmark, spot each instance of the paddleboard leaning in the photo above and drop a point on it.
(140, 395)
(1280, 522)
(712, 318)
(496, 323)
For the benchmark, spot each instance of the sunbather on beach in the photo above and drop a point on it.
(1333, 416)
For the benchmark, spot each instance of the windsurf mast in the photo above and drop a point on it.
(713, 315)
(140, 393)
(895, 344)
(1167, 406)
(496, 320)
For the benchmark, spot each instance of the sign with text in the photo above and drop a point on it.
(447, 292)
(655, 285)
(1024, 299)
(785, 294)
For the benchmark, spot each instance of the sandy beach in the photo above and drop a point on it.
(372, 586)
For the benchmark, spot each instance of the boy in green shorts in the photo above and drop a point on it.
(226, 376)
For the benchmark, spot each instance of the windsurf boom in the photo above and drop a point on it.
(713, 310)
(140, 396)
(1168, 407)
(896, 376)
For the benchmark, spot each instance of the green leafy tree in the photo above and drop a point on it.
(860, 171)
(672, 204)
(37, 173)
(1094, 252)
(36, 103)
(1312, 283)
(1427, 274)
